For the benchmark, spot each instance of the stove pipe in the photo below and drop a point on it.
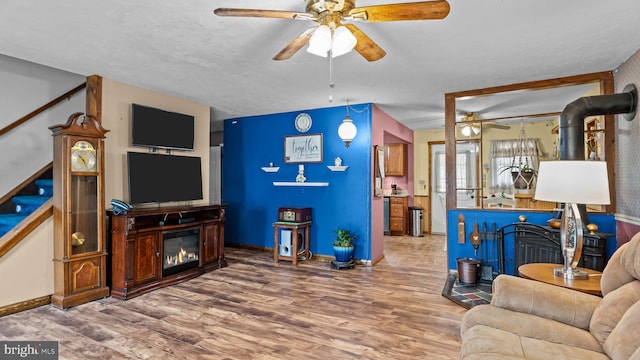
(572, 118)
(572, 123)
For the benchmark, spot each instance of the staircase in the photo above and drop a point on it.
(25, 203)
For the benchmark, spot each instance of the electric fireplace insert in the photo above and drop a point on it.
(180, 250)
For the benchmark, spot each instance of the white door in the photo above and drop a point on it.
(438, 190)
(466, 175)
(466, 168)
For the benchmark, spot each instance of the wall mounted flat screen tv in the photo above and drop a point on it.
(158, 128)
(163, 178)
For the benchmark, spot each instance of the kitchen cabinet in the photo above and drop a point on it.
(395, 159)
(398, 215)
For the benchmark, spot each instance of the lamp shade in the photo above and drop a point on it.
(343, 41)
(347, 130)
(320, 41)
(573, 181)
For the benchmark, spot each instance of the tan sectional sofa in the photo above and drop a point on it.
(532, 320)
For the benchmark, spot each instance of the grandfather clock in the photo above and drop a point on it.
(79, 255)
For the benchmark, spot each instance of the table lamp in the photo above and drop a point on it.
(572, 182)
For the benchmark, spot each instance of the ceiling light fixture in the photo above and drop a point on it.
(338, 41)
(347, 130)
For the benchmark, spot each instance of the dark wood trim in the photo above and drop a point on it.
(25, 305)
(538, 84)
(94, 97)
(42, 108)
(22, 185)
(32, 222)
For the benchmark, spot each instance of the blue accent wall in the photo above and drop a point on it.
(253, 201)
(606, 224)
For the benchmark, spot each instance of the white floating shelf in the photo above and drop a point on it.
(338, 168)
(270, 168)
(293, 183)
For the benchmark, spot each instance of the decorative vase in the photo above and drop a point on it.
(343, 254)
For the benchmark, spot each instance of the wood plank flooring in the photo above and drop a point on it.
(255, 310)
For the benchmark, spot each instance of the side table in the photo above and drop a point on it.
(543, 272)
(296, 227)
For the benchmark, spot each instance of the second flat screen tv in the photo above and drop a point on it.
(163, 178)
(158, 128)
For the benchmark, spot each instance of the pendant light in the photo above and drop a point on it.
(347, 130)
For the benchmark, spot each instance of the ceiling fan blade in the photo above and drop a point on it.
(424, 10)
(497, 126)
(295, 45)
(277, 14)
(365, 46)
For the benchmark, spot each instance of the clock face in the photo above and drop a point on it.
(303, 122)
(83, 156)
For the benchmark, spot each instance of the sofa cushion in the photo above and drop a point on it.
(549, 301)
(483, 342)
(615, 274)
(612, 308)
(527, 325)
(625, 337)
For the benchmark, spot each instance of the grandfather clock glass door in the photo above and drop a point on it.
(84, 215)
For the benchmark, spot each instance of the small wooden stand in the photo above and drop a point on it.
(296, 227)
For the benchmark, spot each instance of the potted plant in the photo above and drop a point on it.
(343, 245)
(522, 175)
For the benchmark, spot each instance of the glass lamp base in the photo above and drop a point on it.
(571, 273)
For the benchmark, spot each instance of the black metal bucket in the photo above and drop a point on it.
(468, 270)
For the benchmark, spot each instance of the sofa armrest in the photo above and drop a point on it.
(549, 301)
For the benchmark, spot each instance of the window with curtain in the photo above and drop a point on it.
(510, 152)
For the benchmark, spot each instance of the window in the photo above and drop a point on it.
(463, 170)
(505, 153)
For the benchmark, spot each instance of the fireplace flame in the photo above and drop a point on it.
(182, 256)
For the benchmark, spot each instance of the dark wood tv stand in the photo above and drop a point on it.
(136, 246)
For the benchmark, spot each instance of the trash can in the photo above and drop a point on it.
(415, 216)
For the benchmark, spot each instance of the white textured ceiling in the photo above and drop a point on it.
(181, 48)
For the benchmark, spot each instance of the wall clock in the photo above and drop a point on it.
(79, 254)
(303, 122)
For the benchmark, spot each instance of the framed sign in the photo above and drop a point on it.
(303, 149)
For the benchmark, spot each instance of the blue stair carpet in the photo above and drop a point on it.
(45, 187)
(8, 221)
(25, 205)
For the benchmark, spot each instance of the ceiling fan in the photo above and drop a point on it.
(332, 13)
(470, 123)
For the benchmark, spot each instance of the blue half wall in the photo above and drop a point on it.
(253, 201)
(487, 250)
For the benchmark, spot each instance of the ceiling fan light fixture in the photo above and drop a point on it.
(320, 41)
(466, 131)
(343, 41)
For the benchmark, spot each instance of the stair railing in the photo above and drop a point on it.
(14, 237)
(42, 108)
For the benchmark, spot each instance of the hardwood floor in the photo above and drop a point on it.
(255, 310)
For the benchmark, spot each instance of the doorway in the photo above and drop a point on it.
(465, 182)
(438, 190)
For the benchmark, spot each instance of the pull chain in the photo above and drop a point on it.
(331, 84)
